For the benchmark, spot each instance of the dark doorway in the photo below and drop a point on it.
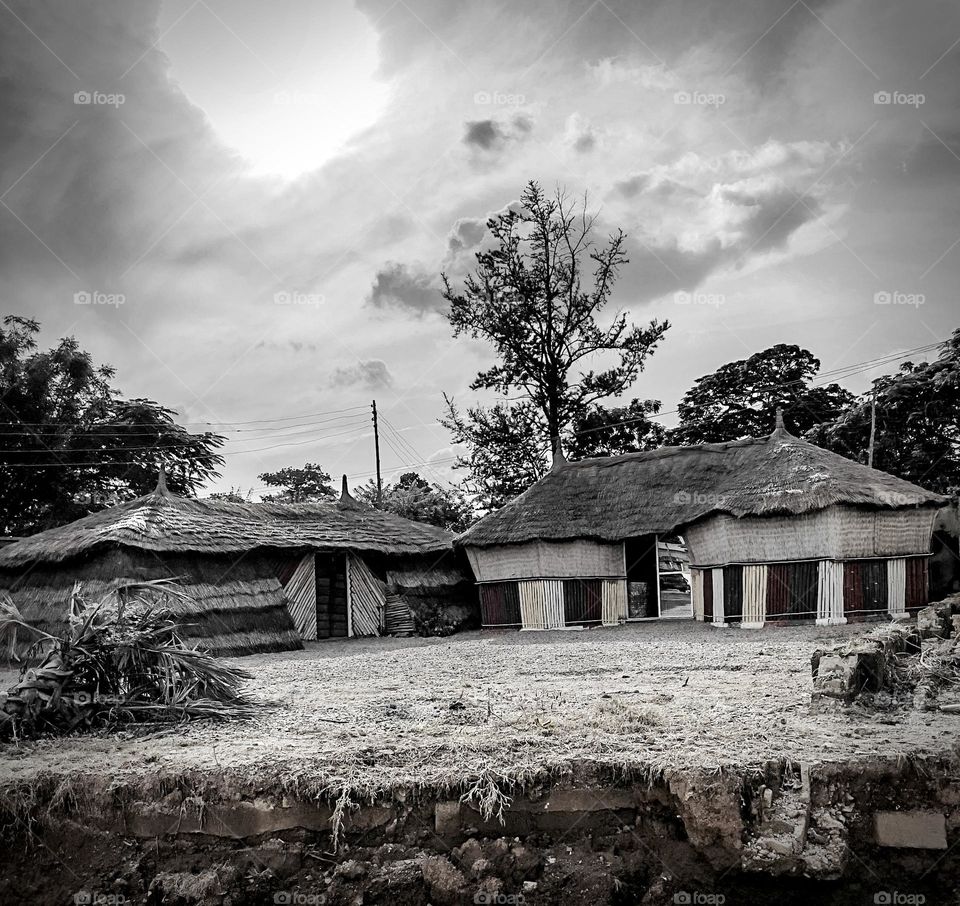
(331, 573)
(643, 595)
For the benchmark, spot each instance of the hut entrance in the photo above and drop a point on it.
(331, 578)
(643, 588)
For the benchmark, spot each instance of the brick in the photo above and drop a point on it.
(915, 829)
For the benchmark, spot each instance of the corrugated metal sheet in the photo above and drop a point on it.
(896, 585)
(830, 592)
(754, 594)
(732, 594)
(916, 590)
(614, 602)
(582, 601)
(803, 589)
(707, 595)
(500, 604)
(716, 576)
(541, 604)
(864, 588)
(778, 591)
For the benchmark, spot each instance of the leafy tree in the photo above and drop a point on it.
(740, 399)
(507, 449)
(917, 423)
(415, 498)
(234, 495)
(536, 297)
(298, 485)
(72, 446)
(621, 429)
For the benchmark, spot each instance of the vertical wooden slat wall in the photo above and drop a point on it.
(852, 591)
(897, 585)
(874, 579)
(614, 601)
(368, 597)
(716, 576)
(830, 593)
(917, 578)
(541, 604)
(778, 591)
(708, 595)
(754, 595)
(301, 592)
(696, 592)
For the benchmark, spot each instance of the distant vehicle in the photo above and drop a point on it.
(674, 582)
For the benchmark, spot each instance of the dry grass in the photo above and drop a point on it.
(482, 715)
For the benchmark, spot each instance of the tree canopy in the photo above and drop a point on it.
(71, 445)
(917, 423)
(298, 485)
(537, 296)
(741, 398)
(416, 498)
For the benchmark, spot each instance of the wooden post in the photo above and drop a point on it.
(376, 446)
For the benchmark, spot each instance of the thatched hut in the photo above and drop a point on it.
(259, 576)
(776, 529)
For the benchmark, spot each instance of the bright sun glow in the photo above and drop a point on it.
(293, 102)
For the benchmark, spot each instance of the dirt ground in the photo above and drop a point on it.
(381, 712)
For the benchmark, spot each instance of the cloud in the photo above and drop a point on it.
(494, 135)
(411, 288)
(580, 134)
(466, 234)
(371, 374)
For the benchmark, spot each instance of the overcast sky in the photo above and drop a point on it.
(780, 166)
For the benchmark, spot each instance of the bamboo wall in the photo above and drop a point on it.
(547, 560)
(553, 603)
(830, 591)
(836, 533)
(368, 597)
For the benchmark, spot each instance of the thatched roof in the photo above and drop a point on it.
(663, 490)
(163, 522)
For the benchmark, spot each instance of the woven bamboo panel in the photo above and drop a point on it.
(696, 592)
(896, 586)
(716, 576)
(301, 592)
(614, 601)
(546, 560)
(367, 598)
(830, 592)
(754, 594)
(541, 604)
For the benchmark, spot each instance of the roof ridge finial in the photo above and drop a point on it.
(558, 458)
(161, 488)
(347, 500)
(779, 425)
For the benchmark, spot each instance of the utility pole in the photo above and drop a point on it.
(873, 424)
(376, 446)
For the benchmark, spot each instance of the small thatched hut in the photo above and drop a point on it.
(776, 529)
(260, 576)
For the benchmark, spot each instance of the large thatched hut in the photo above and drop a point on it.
(776, 528)
(259, 576)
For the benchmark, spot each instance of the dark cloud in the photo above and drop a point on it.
(493, 135)
(466, 234)
(371, 375)
(398, 285)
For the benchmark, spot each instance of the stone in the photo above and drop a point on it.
(446, 818)
(916, 829)
(444, 880)
(351, 870)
